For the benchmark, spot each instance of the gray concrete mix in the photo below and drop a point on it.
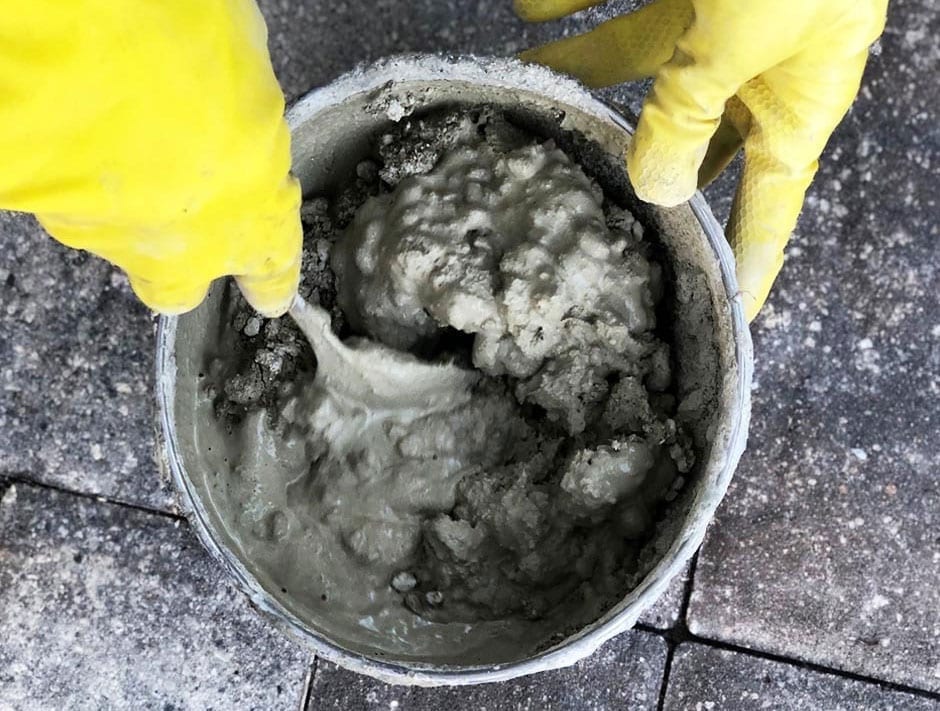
(827, 549)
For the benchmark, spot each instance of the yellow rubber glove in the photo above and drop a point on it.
(775, 77)
(151, 133)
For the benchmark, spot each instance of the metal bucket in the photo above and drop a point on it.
(331, 129)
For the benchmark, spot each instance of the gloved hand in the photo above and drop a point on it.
(775, 77)
(151, 133)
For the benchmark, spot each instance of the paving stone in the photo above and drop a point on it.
(705, 678)
(828, 546)
(625, 673)
(106, 607)
(76, 370)
(665, 612)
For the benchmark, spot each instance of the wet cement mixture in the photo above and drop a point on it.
(522, 504)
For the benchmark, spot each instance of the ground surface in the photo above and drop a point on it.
(818, 585)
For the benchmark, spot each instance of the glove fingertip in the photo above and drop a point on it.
(751, 305)
(758, 262)
(533, 55)
(170, 300)
(271, 296)
(544, 10)
(532, 10)
(656, 179)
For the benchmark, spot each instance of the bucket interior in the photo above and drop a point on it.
(333, 130)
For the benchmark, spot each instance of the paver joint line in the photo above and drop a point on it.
(669, 637)
(18, 478)
(664, 684)
(307, 690)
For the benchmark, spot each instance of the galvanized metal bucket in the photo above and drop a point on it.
(331, 129)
